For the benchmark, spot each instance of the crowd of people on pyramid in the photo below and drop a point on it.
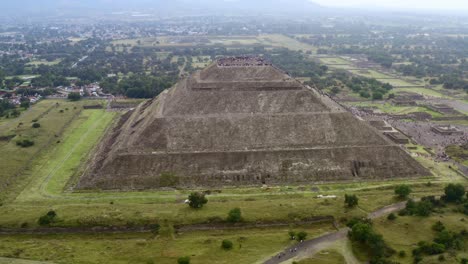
(243, 61)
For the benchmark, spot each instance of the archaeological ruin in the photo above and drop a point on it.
(242, 121)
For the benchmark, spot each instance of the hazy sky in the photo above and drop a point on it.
(418, 4)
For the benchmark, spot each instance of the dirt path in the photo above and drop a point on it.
(313, 246)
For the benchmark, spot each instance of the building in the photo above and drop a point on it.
(446, 130)
(242, 121)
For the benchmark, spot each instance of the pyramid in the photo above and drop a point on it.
(242, 121)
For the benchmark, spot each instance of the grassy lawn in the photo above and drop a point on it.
(250, 246)
(422, 91)
(397, 82)
(325, 257)
(400, 110)
(53, 116)
(21, 261)
(458, 153)
(44, 62)
(370, 74)
(334, 60)
(406, 231)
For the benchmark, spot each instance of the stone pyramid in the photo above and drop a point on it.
(242, 121)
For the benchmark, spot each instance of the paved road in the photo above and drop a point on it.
(317, 243)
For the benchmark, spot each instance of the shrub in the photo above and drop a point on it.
(36, 125)
(351, 200)
(438, 226)
(24, 143)
(226, 244)
(235, 215)
(74, 96)
(155, 228)
(197, 200)
(454, 192)
(47, 219)
(402, 191)
(183, 260)
(402, 254)
(301, 236)
(391, 216)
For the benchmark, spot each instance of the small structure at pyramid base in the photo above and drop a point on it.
(242, 121)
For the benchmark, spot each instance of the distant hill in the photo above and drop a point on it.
(186, 7)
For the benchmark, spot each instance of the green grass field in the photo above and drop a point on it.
(250, 246)
(324, 257)
(422, 91)
(371, 74)
(406, 231)
(44, 62)
(400, 110)
(53, 117)
(397, 82)
(334, 60)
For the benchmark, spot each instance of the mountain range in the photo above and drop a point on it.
(186, 7)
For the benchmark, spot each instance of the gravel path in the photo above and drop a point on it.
(314, 245)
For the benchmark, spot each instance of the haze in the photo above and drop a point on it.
(400, 4)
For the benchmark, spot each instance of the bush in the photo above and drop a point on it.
(36, 125)
(183, 260)
(402, 254)
(24, 143)
(391, 216)
(47, 219)
(438, 226)
(226, 244)
(454, 192)
(301, 236)
(197, 200)
(402, 191)
(235, 215)
(25, 104)
(422, 208)
(74, 96)
(351, 200)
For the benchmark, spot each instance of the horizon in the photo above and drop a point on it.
(428, 5)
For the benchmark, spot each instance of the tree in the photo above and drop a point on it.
(361, 231)
(48, 218)
(391, 217)
(402, 191)
(235, 215)
(183, 260)
(226, 244)
(292, 234)
(197, 200)
(25, 104)
(377, 96)
(74, 96)
(351, 200)
(454, 192)
(301, 236)
(36, 125)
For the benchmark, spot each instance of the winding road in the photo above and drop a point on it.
(319, 243)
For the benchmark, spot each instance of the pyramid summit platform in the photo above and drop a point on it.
(242, 121)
